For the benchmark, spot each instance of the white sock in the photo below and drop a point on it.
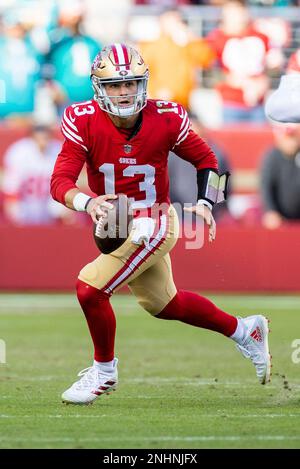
(240, 332)
(104, 366)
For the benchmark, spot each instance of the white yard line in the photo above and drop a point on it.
(54, 301)
(152, 438)
(83, 416)
(277, 302)
(183, 381)
(22, 304)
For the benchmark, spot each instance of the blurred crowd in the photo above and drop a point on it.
(221, 68)
(177, 3)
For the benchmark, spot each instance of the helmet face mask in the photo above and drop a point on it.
(118, 64)
(112, 103)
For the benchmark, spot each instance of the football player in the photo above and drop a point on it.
(284, 104)
(124, 139)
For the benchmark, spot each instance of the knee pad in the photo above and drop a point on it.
(87, 294)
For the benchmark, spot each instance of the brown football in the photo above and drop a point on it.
(111, 232)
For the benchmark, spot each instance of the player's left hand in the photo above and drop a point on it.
(204, 212)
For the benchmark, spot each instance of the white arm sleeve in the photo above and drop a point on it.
(284, 104)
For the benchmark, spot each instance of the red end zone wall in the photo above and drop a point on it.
(244, 145)
(241, 259)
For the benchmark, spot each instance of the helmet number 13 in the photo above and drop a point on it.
(147, 185)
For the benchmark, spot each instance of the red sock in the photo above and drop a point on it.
(100, 318)
(200, 312)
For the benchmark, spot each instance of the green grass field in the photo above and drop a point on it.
(180, 387)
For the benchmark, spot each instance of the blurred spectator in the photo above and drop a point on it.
(20, 68)
(71, 54)
(293, 65)
(173, 59)
(273, 3)
(168, 3)
(182, 174)
(28, 164)
(280, 177)
(284, 104)
(279, 31)
(242, 52)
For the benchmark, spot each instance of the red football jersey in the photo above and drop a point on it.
(137, 167)
(244, 54)
(241, 56)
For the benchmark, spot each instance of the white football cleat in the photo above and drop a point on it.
(255, 346)
(93, 383)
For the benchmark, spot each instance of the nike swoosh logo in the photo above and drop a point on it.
(71, 118)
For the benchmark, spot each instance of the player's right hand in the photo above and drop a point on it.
(96, 206)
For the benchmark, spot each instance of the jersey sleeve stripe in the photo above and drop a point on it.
(182, 112)
(183, 138)
(184, 120)
(71, 132)
(73, 139)
(69, 122)
(186, 127)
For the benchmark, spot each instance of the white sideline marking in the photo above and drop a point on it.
(69, 301)
(185, 381)
(33, 307)
(36, 303)
(221, 415)
(157, 438)
(254, 302)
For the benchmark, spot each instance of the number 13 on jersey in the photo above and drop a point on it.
(108, 169)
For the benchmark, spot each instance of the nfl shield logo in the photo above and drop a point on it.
(127, 149)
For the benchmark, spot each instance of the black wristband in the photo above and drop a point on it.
(202, 178)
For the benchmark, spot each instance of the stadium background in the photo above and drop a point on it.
(245, 258)
(242, 245)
